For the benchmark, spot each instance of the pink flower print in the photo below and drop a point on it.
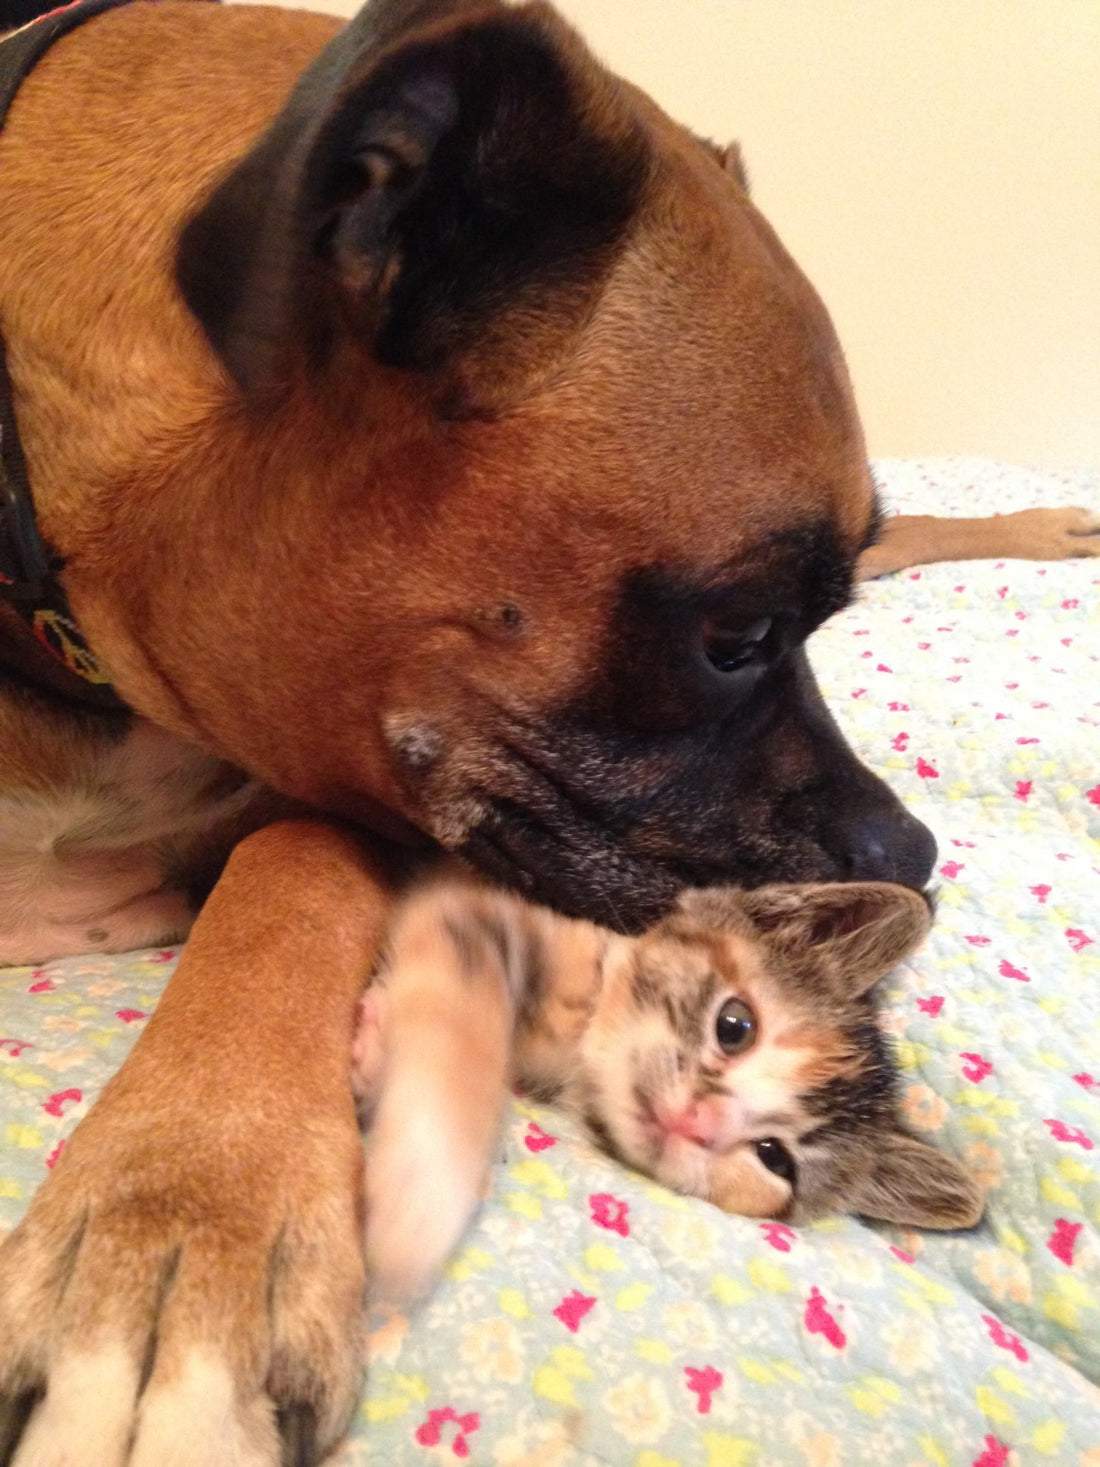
(1027, 741)
(431, 1432)
(975, 941)
(15, 1047)
(1066, 641)
(1001, 717)
(572, 1309)
(924, 646)
(899, 742)
(1071, 605)
(915, 576)
(608, 1212)
(1087, 1081)
(1078, 940)
(165, 955)
(1013, 632)
(1093, 797)
(1002, 592)
(703, 1383)
(45, 986)
(1061, 1132)
(130, 1016)
(779, 1235)
(1012, 687)
(858, 692)
(898, 707)
(866, 654)
(1023, 791)
(1040, 893)
(926, 770)
(1004, 1339)
(883, 668)
(957, 678)
(55, 1155)
(951, 869)
(1020, 615)
(1063, 1240)
(963, 844)
(976, 1069)
(931, 1006)
(819, 1321)
(1007, 970)
(537, 1139)
(55, 1105)
(995, 1454)
(901, 1255)
(1040, 705)
(959, 588)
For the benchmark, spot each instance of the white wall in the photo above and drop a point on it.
(934, 165)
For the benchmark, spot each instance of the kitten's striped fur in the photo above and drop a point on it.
(480, 987)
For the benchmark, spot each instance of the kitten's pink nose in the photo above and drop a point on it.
(696, 1122)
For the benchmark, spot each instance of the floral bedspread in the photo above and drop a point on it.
(591, 1318)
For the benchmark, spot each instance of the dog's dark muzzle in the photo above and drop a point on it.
(611, 825)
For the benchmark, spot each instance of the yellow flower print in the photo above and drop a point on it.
(912, 1344)
(639, 1408)
(689, 1323)
(1004, 1275)
(923, 1108)
(689, 1238)
(494, 1350)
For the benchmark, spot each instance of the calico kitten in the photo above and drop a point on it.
(731, 1052)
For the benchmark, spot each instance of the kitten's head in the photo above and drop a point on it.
(734, 1054)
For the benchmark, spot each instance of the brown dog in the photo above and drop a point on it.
(435, 435)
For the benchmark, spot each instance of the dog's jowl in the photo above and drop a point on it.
(425, 436)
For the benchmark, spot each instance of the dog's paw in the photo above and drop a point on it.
(188, 1306)
(1054, 534)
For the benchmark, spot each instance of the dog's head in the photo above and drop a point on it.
(567, 469)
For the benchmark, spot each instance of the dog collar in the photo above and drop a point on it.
(41, 643)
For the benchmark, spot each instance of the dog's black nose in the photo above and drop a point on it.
(890, 845)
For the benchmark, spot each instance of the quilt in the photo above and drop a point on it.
(591, 1319)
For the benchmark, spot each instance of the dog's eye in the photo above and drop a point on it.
(735, 1027)
(730, 651)
(775, 1156)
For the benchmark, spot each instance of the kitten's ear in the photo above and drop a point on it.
(865, 927)
(914, 1185)
(448, 184)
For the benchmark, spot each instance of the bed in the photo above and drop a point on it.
(592, 1318)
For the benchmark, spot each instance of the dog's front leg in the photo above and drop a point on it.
(186, 1288)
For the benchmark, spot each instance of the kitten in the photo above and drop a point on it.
(730, 1052)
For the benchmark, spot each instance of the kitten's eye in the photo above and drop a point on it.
(775, 1156)
(735, 1027)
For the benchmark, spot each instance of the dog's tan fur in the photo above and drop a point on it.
(365, 586)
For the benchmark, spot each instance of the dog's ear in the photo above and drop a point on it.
(450, 181)
(863, 928)
(730, 159)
